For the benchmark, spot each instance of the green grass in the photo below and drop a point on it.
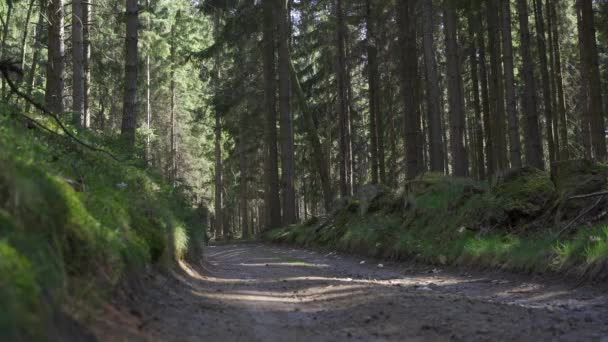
(458, 221)
(73, 223)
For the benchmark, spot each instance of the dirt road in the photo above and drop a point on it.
(257, 292)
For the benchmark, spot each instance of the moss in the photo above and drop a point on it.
(74, 223)
(450, 220)
(19, 297)
(524, 193)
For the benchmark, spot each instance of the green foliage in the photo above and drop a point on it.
(75, 222)
(446, 221)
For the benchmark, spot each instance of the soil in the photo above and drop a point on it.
(256, 292)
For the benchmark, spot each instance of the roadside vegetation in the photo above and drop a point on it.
(76, 223)
(524, 221)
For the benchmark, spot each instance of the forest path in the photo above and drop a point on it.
(255, 292)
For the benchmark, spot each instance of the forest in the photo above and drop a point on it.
(275, 170)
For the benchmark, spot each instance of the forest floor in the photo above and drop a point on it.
(256, 292)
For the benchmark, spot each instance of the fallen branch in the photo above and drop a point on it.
(595, 194)
(585, 212)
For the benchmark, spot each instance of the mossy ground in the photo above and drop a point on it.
(74, 222)
(444, 220)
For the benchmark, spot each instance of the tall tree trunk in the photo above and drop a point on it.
(129, 112)
(173, 105)
(546, 81)
(244, 176)
(583, 103)
(497, 103)
(86, 39)
(343, 108)
(148, 90)
(271, 173)
(460, 164)
(534, 148)
(219, 188)
(77, 64)
(485, 97)
(28, 16)
(31, 78)
(561, 104)
(55, 69)
(406, 21)
(512, 118)
(287, 138)
(589, 43)
(372, 56)
(5, 30)
(219, 228)
(478, 122)
(313, 139)
(432, 89)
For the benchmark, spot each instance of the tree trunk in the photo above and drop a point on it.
(534, 148)
(129, 112)
(172, 105)
(583, 103)
(31, 78)
(597, 124)
(26, 31)
(314, 141)
(287, 138)
(86, 39)
(148, 90)
(546, 81)
(343, 109)
(406, 21)
(432, 90)
(460, 165)
(512, 117)
(77, 64)
(372, 56)
(561, 105)
(55, 69)
(478, 124)
(243, 178)
(485, 97)
(271, 173)
(219, 205)
(497, 103)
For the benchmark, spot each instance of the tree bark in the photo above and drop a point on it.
(129, 112)
(86, 38)
(243, 178)
(561, 105)
(589, 43)
(460, 165)
(343, 109)
(478, 124)
(534, 148)
(406, 21)
(546, 81)
(497, 103)
(77, 64)
(287, 138)
(271, 173)
(512, 117)
(372, 68)
(31, 78)
(313, 139)
(55, 69)
(432, 90)
(26, 31)
(583, 103)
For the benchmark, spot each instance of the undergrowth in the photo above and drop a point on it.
(74, 222)
(442, 220)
